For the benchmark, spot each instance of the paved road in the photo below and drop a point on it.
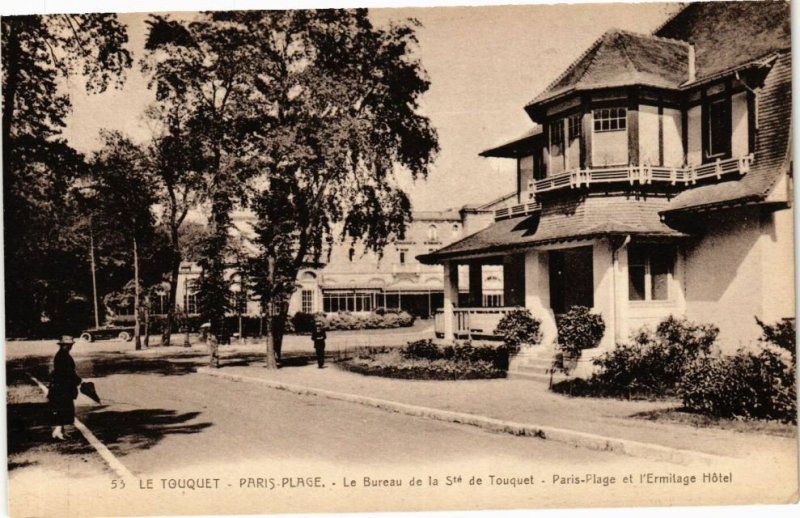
(163, 420)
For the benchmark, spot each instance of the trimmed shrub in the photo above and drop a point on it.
(578, 329)
(304, 322)
(753, 385)
(395, 364)
(653, 364)
(425, 349)
(781, 334)
(346, 321)
(519, 327)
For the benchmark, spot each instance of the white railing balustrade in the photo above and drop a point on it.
(642, 175)
(471, 321)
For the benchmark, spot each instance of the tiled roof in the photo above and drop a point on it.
(593, 216)
(622, 58)
(727, 34)
(772, 148)
(513, 148)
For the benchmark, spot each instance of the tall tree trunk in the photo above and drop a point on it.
(166, 335)
(175, 265)
(271, 363)
(136, 331)
(279, 327)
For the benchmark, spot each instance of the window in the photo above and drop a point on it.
(492, 300)
(455, 229)
(718, 132)
(307, 301)
(238, 301)
(649, 272)
(610, 119)
(163, 302)
(573, 159)
(351, 253)
(191, 303)
(556, 147)
(402, 253)
(191, 297)
(334, 301)
(526, 170)
(433, 233)
(610, 137)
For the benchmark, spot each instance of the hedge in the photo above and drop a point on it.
(424, 360)
(346, 321)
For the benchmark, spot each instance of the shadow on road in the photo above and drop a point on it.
(29, 433)
(124, 431)
(246, 359)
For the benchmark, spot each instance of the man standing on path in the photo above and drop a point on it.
(64, 384)
(318, 336)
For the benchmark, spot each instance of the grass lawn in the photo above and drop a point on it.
(679, 416)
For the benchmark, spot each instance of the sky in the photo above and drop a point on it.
(484, 64)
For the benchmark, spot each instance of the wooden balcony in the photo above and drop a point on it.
(633, 175)
(471, 322)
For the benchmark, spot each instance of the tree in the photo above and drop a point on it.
(203, 66)
(38, 168)
(343, 118)
(125, 192)
(180, 187)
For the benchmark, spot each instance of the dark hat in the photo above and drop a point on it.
(66, 340)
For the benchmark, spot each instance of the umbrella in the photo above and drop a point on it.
(87, 389)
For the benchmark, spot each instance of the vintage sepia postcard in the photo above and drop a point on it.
(341, 259)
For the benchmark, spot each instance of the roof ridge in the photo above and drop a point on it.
(624, 49)
(572, 66)
(654, 37)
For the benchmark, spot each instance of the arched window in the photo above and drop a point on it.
(433, 233)
(455, 229)
(351, 253)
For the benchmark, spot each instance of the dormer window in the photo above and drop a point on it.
(610, 137)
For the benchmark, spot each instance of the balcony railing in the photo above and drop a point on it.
(471, 321)
(641, 175)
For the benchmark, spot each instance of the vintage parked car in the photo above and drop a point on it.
(124, 333)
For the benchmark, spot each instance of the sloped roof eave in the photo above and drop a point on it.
(440, 256)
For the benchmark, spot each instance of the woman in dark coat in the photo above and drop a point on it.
(64, 385)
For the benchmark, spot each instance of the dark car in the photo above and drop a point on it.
(124, 333)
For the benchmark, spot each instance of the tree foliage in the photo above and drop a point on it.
(38, 167)
(306, 116)
(343, 120)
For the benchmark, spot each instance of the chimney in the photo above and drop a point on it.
(692, 68)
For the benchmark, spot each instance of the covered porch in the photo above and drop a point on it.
(628, 272)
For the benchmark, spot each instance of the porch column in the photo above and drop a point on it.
(537, 294)
(450, 298)
(604, 298)
(475, 284)
(621, 328)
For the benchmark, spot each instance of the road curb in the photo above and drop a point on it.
(585, 440)
(113, 462)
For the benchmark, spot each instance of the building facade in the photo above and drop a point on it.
(355, 280)
(655, 181)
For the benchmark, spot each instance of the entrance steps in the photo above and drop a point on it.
(535, 364)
